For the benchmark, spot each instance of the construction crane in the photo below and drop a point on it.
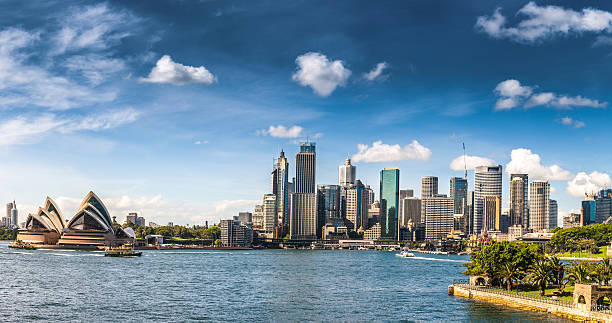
(464, 161)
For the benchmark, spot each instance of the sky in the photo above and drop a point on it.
(176, 109)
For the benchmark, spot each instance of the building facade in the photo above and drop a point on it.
(492, 220)
(487, 182)
(279, 186)
(269, 216)
(235, 234)
(458, 192)
(389, 203)
(439, 220)
(554, 213)
(410, 211)
(539, 205)
(347, 174)
(303, 223)
(429, 186)
(519, 200)
(328, 204)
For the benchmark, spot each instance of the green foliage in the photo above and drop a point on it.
(8, 233)
(581, 238)
(197, 233)
(540, 274)
(493, 258)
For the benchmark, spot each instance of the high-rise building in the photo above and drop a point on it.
(603, 205)
(9, 218)
(554, 213)
(346, 174)
(14, 215)
(487, 182)
(458, 192)
(235, 234)
(429, 186)
(519, 200)
(258, 217)
(406, 193)
(367, 198)
(133, 218)
(492, 213)
(571, 220)
(587, 212)
(355, 208)
(468, 213)
(280, 188)
(303, 218)
(245, 217)
(389, 203)
(269, 215)
(410, 211)
(539, 205)
(328, 204)
(439, 221)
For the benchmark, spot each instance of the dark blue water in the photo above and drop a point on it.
(258, 285)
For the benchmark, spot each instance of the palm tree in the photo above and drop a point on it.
(540, 273)
(558, 269)
(510, 271)
(603, 271)
(579, 272)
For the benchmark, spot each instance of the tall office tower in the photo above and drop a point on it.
(346, 174)
(280, 188)
(554, 213)
(410, 211)
(458, 192)
(245, 217)
(9, 209)
(269, 215)
(587, 212)
(603, 205)
(303, 218)
(258, 217)
(328, 204)
(539, 205)
(406, 193)
(487, 182)
(492, 213)
(468, 213)
(389, 202)
(438, 211)
(367, 198)
(14, 216)
(429, 186)
(519, 200)
(354, 205)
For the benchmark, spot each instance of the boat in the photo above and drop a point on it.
(405, 254)
(127, 250)
(18, 244)
(362, 248)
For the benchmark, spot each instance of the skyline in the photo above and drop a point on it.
(180, 119)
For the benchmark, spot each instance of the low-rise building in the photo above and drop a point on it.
(372, 233)
(235, 234)
(571, 220)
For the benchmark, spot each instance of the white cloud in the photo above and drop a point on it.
(107, 120)
(380, 152)
(512, 94)
(522, 160)
(545, 22)
(471, 161)
(22, 130)
(201, 142)
(584, 183)
(322, 75)
(281, 131)
(94, 67)
(376, 72)
(168, 71)
(571, 122)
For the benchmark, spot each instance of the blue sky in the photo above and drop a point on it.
(175, 109)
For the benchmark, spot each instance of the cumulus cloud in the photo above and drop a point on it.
(281, 131)
(380, 152)
(539, 23)
(573, 123)
(321, 74)
(377, 72)
(471, 161)
(522, 160)
(512, 94)
(584, 183)
(168, 71)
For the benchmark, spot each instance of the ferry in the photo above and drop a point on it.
(18, 244)
(127, 250)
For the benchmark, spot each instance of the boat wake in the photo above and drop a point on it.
(437, 259)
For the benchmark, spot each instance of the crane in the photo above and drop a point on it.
(464, 161)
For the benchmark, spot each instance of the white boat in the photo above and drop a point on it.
(362, 248)
(405, 254)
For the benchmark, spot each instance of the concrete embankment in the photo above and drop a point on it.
(565, 310)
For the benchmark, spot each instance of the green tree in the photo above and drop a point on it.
(540, 274)
(511, 271)
(579, 272)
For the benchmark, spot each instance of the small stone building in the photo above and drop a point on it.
(479, 280)
(586, 296)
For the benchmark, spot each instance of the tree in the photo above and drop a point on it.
(579, 272)
(511, 271)
(540, 274)
(603, 271)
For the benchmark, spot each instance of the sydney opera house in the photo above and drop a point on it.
(90, 228)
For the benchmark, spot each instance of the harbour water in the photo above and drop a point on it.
(250, 285)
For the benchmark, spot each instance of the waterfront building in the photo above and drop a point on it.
(587, 212)
(439, 218)
(258, 217)
(279, 186)
(235, 234)
(133, 218)
(554, 210)
(492, 213)
(519, 200)
(603, 205)
(303, 217)
(245, 217)
(571, 220)
(539, 205)
(487, 182)
(347, 174)
(458, 192)
(389, 203)
(328, 205)
(410, 211)
(429, 186)
(372, 233)
(269, 216)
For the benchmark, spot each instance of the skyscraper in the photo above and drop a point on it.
(554, 213)
(603, 205)
(269, 215)
(328, 205)
(519, 200)
(14, 216)
(429, 186)
(9, 210)
(438, 211)
(354, 205)
(458, 192)
(487, 182)
(280, 188)
(410, 211)
(587, 212)
(492, 220)
(406, 193)
(346, 174)
(389, 202)
(539, 205)
(303, 219)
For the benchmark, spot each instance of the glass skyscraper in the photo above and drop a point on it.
(389, 203)
(458, 192)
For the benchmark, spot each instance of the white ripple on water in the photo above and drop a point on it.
(437, 259)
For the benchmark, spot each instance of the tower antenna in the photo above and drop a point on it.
(464, 161)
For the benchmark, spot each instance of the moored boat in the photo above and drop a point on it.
(18, 244)
(127, 250)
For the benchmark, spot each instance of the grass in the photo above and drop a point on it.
(580, 254)
(532, 291)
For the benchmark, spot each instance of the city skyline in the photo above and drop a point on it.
(179, 120)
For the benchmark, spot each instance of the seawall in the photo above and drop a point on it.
(567, 311)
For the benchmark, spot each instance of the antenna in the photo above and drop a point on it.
(464, 160)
